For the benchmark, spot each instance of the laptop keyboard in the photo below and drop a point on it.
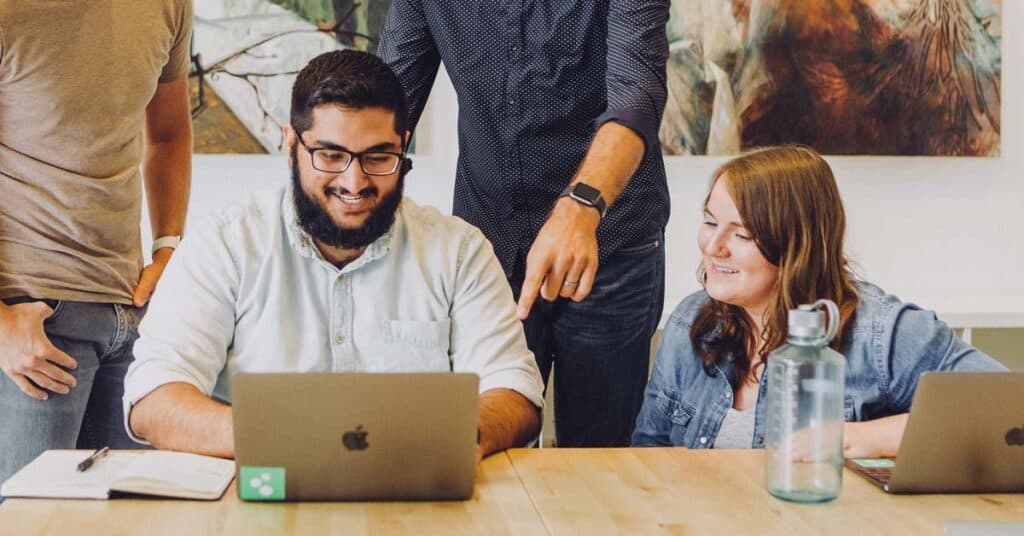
(881, 476)
(877, 470)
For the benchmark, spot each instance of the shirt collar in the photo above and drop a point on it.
(303, 244)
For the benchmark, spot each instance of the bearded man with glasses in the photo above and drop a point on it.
(334, 272)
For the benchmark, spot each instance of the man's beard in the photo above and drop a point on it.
(316, 221)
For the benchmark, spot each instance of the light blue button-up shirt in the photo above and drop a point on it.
(249, 292)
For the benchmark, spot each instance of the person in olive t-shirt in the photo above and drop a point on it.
(88, 92)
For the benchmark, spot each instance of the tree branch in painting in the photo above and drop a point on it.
(220, 67)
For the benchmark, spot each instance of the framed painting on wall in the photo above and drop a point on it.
(860, 77)
(246, 54)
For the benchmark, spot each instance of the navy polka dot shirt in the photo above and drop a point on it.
(534, 79)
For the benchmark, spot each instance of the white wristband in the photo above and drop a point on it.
(166, 242)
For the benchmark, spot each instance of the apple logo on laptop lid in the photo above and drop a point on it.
(355, 439)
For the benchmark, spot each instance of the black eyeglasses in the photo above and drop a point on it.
(331, 160)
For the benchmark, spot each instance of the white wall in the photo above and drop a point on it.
(945, 232)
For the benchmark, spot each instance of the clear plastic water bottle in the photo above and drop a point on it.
(806, 379)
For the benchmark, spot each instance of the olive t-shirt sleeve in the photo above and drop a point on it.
(178, 59)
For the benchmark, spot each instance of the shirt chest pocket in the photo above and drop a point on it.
(412, 346)
(679, 416)
(849, 409)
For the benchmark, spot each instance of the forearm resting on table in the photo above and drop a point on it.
(178, 416)
(507, 419)
(879, 438)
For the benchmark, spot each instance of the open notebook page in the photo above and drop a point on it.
(175, 474)
(54, 474)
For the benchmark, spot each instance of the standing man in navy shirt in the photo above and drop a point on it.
(560, 167)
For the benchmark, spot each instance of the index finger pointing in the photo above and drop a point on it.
(528, 295)
(537, 265)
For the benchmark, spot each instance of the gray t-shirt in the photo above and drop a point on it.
(75, 79)
(737, 431)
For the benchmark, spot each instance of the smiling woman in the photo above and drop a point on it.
(734, 269)
(772, 239)
(780, 245)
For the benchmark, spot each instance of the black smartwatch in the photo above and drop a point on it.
(585, 194)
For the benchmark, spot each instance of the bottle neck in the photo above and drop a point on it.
(805, 341)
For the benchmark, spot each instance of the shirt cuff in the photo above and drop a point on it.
(144, 380)
(634, 120)
(522, 382)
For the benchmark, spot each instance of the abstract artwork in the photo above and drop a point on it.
(861, 77)
(246, 54)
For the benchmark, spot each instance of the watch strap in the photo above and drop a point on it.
(598, 203)
(166, 242)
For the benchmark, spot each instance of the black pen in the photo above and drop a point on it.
(87, 463)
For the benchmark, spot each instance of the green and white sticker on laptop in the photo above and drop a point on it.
(261, 483)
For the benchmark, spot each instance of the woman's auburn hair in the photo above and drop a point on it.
(789, 202)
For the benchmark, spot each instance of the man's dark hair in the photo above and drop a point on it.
(350, 79)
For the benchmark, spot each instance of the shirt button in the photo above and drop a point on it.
(703, 440)
(339, 338)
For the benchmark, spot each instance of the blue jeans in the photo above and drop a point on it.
(100, 337)
(600, 347)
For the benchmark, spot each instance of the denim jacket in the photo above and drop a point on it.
(891, 345)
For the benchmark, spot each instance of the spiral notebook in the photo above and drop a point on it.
(179, 475)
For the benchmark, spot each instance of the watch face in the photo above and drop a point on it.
(586, 193)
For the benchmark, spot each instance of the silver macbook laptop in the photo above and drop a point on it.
(965, 434)
(355, 437)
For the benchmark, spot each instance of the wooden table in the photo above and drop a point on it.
(679, 491)
(499, 506)
(538, 491)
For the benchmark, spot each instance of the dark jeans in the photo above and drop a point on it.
(99, 336)
(600, 347)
